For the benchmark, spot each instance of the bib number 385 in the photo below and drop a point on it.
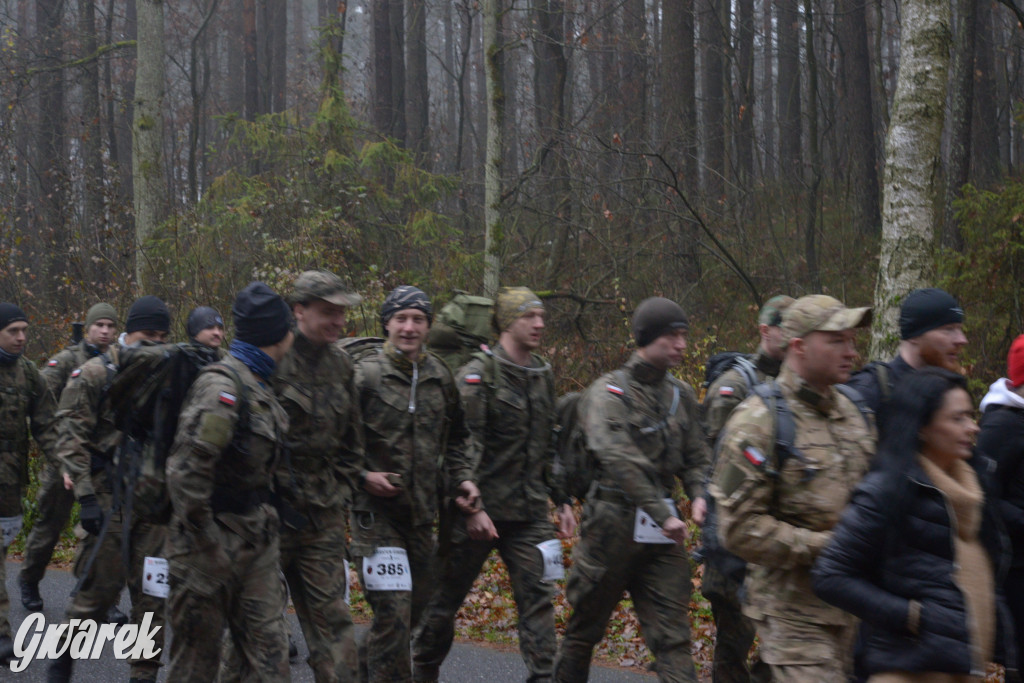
(387, 570)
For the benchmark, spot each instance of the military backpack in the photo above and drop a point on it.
(460, 328)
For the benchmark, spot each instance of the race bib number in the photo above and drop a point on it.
(551, 553)
(154, 577)
(11, 527)
(387, 570)
(646, 530)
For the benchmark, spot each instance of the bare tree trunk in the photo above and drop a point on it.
(50, 154)
(92, 134)
(417, 103)
(814, 165)
(768, 91)
(857, 116)
(396, 33)
(714, 36)
(277, 55)
(678, 89)
(236, 56)
(985, 143)
(383, 117)
(744, 115)
(913, 165)
(961, 98)
(492, 166)
(148, 165)
(252, 76)
(790, 153)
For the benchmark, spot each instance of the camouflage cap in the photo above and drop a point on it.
(511, 303)
(821, 313)
(771, 312)
(321, 284)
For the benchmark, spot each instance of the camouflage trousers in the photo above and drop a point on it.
(802, 651)
(101, 588)
(734, 633)
(54, 504)
(313, 561)
(607, 562)
(243, 593)
(10, 506)
(396, 614)
(517, 545)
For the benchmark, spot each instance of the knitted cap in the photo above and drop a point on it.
(202, 317)
(262, 318)
(148, 313)
(926, 309)
(512, 303)
(657, 316)
(9, 313)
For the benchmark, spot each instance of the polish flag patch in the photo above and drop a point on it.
(77, 372)
(472, 379)
(53, 363)
(725, 391)
(755, 456)
(226, 398)
(615, 390)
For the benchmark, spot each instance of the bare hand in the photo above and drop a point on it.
(480, 527)
(469, 501)
(699, 511)
(566, 522)
(675, 529)
(377, 484)
(68, 484)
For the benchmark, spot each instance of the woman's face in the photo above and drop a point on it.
(951, 433)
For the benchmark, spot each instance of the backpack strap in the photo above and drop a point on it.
(858, 400)
(783, 428)
(748, 371)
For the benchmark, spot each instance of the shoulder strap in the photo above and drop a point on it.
(783, 425)
(748, 370)
(858, 400)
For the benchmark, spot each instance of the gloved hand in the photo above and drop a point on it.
(91, 515)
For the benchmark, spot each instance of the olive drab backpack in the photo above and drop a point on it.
(460, 328)
(719, 363)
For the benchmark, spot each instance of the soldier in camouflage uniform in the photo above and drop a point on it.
(723, 571)
(87, 442)
(510, 409)
(777, 513)
(314, 384)
(54, 499)
(26, 407)
(223, 540)
(643, 426)
(413, 419)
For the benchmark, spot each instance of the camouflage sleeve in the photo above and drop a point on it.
(459, 461)
(77, 416)
(743, 489)
(724, 394)
(57, 370)
(696, 453)
(205, 429)
(474, 401)
(558, 488)
(605, 421)
(44, 413)
(353, 446)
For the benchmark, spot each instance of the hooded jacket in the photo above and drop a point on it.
(1002, 439)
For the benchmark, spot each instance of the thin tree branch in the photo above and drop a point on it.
(100, 51)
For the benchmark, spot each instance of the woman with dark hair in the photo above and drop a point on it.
(919, 550)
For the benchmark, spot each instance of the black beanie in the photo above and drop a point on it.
(148, 313)
(656, 316)
(262, 318)
(926, 309)
(402, 297)
(202, 317)
(9, 313)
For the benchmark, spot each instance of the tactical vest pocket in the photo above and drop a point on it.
(293, 396)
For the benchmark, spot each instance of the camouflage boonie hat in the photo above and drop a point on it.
(771, 312)
(511, 303)
(320, 284)
(821, 313)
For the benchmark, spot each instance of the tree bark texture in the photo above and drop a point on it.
(790, 154)
(714, 36)
(913, 170)
(492, 166)
(417, 103)
(961, 97)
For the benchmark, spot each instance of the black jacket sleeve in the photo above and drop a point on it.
(1002, 439)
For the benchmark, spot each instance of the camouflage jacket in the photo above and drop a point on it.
(315, 386)
(729, 390)
(510, 413)
(59, 368)
(781, 520)
(26, 407)
(223, 459)
(633, 456)
(87, 435)
(414, 427)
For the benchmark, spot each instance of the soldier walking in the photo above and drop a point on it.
(28, 409)
(777, 503)
(510, 408)
(643, 426)
(415, 440)
(223, 545)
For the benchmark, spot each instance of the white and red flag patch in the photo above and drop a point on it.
(755, 456)
(725, 391)
(615, 390)
(53, 363)
(76, 372)
(473, 379)
(226, 398)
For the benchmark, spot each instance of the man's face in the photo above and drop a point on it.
(212, 336)
(941, 347)
(101, 333)
(321, 322)
(526, 330)
(828, 357)
(407, 331)
(158, 336)
(13, 337)
(667, 350)
(772, 341)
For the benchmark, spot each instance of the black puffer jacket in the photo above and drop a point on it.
(1002, 439)
(875, 565)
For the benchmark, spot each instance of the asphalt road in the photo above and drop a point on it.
(467, 663)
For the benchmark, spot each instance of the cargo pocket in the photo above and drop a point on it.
(586, 575)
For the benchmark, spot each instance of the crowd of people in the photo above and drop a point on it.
(861, 525)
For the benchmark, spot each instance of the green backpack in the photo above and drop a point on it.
(459, 329)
